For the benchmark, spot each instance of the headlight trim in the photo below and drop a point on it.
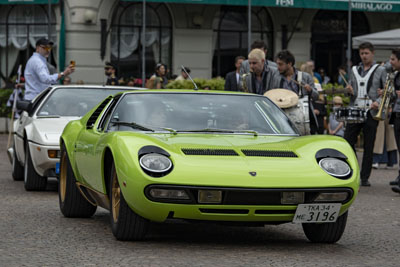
(149, 169)
(337, 175)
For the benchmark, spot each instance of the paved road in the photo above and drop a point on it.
(33, 232)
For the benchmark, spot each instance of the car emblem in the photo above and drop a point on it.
(253, 173)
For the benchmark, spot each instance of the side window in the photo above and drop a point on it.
(106, 118)
(93, 118)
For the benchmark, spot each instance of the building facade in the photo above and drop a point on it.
(203, 35)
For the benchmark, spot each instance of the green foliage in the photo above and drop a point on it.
(4, 95)
(330, 94)
(214, 84)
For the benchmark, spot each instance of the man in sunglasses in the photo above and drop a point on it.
(110, 70)
(37, 75)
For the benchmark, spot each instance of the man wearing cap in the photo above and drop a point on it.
(37, 75)
(110, 71)
(183, 75)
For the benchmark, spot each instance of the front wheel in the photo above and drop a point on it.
(326, 232)
(32, 180)
(72, 203)
(125, 223)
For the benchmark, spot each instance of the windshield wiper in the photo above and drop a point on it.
(213, 130)
(208, 130)
(255, 133)
(169, 130)
(132, 125)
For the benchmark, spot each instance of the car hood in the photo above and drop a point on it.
(47, 131)
(210, 159)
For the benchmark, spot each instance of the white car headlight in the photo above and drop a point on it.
(335, 167)
(154, 162)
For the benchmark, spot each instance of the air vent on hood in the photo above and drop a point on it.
(269, 153)
(209, 152)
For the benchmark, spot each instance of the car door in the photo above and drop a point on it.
(86, 149)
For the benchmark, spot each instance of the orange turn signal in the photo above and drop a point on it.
(53, 153)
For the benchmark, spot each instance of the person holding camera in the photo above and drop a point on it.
(37, 75)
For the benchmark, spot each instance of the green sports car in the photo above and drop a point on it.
(155, 155)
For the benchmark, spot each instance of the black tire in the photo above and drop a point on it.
(17, 168)
(72, 203)
(326, 232)
(125, 223)
(32, 180)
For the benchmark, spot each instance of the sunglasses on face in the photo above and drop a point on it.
(47, 48)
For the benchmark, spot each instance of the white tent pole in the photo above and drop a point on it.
(144, 44)
(349, 40)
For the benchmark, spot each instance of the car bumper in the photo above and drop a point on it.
(234, 210)
(43, 164)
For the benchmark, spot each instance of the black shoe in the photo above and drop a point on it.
(396, 189)
(365, 183)
(395, 181)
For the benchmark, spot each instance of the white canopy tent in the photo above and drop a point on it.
(381, 40)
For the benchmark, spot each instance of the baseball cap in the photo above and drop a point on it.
(44, 41)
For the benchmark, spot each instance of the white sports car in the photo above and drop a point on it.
(36, 148)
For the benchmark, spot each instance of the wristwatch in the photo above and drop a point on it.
(62, 74)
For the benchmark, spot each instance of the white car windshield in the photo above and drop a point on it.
(199, 112)
(75, 102)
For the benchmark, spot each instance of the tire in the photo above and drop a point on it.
(72, 203)
(125, 223)
(17, 168)
(326, 232)
(32, 180)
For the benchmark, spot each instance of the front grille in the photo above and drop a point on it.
(269, 153)
(246, 196)
(209, 152)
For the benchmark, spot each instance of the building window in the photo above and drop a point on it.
(20, 27)
(127, 43)
(230, 35)
(329, 38)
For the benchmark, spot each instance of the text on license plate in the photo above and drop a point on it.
(311, 213)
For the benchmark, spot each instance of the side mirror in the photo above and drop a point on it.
(24, 105)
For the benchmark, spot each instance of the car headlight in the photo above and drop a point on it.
(335, 167)
(155, 162)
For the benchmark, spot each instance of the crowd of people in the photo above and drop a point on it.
(258, 75)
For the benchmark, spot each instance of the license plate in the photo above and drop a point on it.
(58, 168)
(312, 213)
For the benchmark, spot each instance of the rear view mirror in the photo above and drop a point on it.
(24, 105)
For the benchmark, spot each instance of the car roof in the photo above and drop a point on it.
(191, 91)
(96, 86)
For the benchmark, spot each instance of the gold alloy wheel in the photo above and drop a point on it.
(63, 176)
(116, 197)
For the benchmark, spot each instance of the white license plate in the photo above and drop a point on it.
(312, 213)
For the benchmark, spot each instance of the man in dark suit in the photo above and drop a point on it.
(232, 78)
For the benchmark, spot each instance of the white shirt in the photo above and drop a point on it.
(37, 76)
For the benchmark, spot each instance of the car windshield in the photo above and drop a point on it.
(77, 102)
(200, 112)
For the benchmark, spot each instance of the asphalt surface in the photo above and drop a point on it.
(33, 232)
